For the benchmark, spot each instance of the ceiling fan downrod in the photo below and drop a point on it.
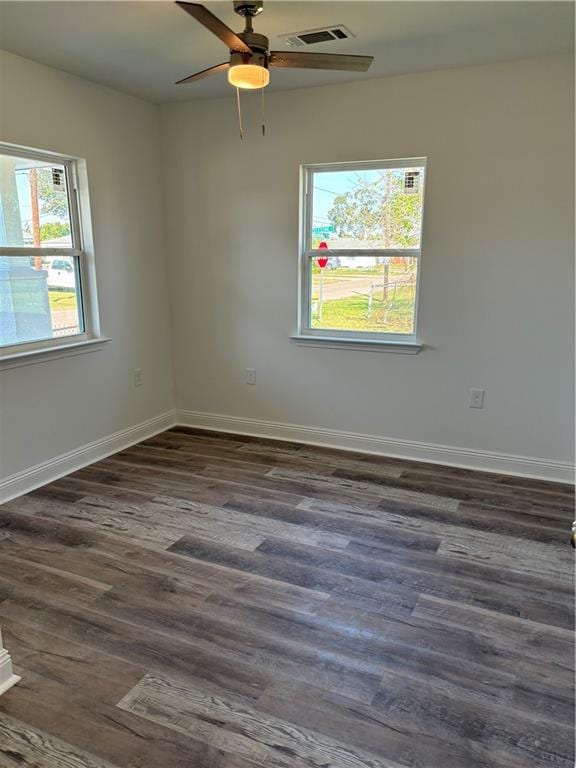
(248, 8)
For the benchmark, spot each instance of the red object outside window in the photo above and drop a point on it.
(322, 260)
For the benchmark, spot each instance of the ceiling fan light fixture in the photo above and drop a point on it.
(248, 76)
(250, 54)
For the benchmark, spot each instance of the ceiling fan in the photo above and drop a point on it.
(250, 56)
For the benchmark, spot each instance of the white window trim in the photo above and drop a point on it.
(343, 339)
(82, 250)
(53, 352)
(341, 342)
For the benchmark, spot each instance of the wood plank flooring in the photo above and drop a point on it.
(214, 601)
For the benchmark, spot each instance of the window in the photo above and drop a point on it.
(43, 299)
(360, 251)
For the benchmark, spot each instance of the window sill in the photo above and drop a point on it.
(33, 356)
(332, 342)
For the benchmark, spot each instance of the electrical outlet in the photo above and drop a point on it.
(477, 398)
(250, 375)
(138, 377)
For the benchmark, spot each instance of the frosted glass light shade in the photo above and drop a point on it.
(248, 76)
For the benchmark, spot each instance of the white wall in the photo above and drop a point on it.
(51, 408)
(497, 275)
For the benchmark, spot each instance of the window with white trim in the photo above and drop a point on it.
(43, 275)
(361, 242)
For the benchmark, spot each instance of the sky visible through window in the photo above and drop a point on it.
(329, 185)
(24, 201)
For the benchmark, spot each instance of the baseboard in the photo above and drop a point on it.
(26, 481)
(486, 461)
(7, 676)
(507, 464)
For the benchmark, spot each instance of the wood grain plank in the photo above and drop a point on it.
(61, 661)
(24, 747)
(536, 741)
(529, 637)
(544, 558)
(183, 517)
(541, 491)
(491, 520)
(79, 721)
(194, 487)
(456, 491)
(392, 575)
(259, 527)
(360, 527)
(114, 562)
(393, 738)
(364, 488)
(419, 647)
(372, 653)
(532, 558)
(45, 581)
(244, 642)
(232, 724)
(98, 518)
(532, 583)
(393, 598)
(123, 640)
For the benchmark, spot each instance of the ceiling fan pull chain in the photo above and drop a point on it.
(263, 119)
(239, 114)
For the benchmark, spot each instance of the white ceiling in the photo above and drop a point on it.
(142, 47)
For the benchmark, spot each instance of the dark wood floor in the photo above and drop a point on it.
(213, 601)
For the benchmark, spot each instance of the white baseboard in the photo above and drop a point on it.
(48, 471)
(507, 464)
(7, 676)
(487, 461)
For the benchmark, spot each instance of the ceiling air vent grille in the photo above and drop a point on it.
(313, 36)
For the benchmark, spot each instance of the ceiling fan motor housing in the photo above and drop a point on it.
(248, 7)
(256, 59)
(258, 43)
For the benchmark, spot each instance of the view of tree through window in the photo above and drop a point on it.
(363, 247)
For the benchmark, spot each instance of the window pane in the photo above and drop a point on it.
(34, 207)
(38, 299)
(376, 208)
(364, 293)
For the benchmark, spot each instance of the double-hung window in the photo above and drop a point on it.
(43, 276)
(361, 238)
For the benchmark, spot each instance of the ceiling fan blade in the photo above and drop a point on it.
(217, 27)
(320, 61)
(204, 73)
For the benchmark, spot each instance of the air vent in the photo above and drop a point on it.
(313, 36)
(57, 178)
(412, 181)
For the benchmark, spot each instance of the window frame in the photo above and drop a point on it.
(342, 337)
(81, 254)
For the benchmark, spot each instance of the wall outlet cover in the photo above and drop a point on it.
(477, 398)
